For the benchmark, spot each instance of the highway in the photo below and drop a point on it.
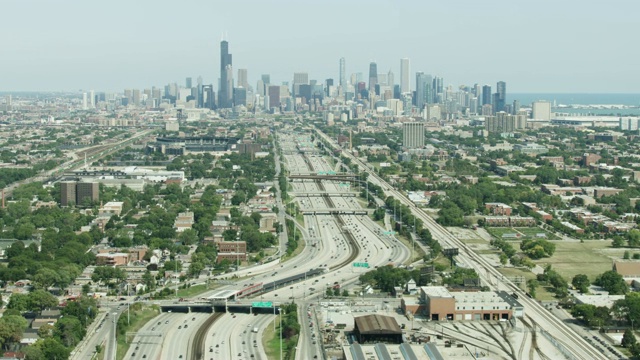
(232, 337)
(575, 346)
(333, 243)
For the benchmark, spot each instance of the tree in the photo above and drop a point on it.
(628, 339)
(33, 353)
(69, 330)
(532, 285)
(39, 300)
(45, 278)
(45, 331)
(52, 348)
(581, 282)
(612, 282)
(11, 329)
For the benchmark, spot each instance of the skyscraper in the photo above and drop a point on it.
(373, 76)
(424, 89)
(501, 96)
(405, 77)
(200, 93)
(486, 95)
(188, 83)
(391, 81)
(225, 91)
(413, 135)
(266, 79)
(242, 78)
(343, 74)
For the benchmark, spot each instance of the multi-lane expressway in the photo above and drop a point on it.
(334, 243)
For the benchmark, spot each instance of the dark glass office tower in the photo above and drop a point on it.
(225, 89)
(501, 96)
(373, 76)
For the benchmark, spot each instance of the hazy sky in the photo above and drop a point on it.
(535, 46)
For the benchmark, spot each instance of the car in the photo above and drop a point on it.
(133, 354)
(144, 356)
(185, 326)
(180, 357)
(166, 322)
(242, 342)
(180, 327)
(217, 345)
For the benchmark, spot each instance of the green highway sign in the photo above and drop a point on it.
(361, 264)
(262, 304)
(389, 232)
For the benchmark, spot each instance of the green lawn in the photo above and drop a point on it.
(533, 231)
(296, 252)
(525, 232)
(271, 342)
(196, 290)
(497, 232)
(138, 319)
(572, 258)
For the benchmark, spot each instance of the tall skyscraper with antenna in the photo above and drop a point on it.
(225, 91)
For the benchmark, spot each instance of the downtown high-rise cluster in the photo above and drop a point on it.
(380, 93)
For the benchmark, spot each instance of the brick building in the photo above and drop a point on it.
(439, 303)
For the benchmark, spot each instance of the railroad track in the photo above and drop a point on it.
(197, 348)
(449, 239)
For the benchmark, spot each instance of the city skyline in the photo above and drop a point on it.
(107, 49)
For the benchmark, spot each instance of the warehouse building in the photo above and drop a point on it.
(377, 328)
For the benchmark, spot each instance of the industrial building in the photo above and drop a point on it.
(377, 328)
(439, 303)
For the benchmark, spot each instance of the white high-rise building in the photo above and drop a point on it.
(92, 99)
(541, 110)
(84, 101)
(413, 135)
(405, 78)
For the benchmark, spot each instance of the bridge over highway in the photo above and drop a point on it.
(335, 177)
(246, 307)
(334, 211)
(320, 194)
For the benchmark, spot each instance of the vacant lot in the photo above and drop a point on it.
(573, 257)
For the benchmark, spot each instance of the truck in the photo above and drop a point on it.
(255, 330)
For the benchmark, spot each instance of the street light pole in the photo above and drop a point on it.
(281, 313)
